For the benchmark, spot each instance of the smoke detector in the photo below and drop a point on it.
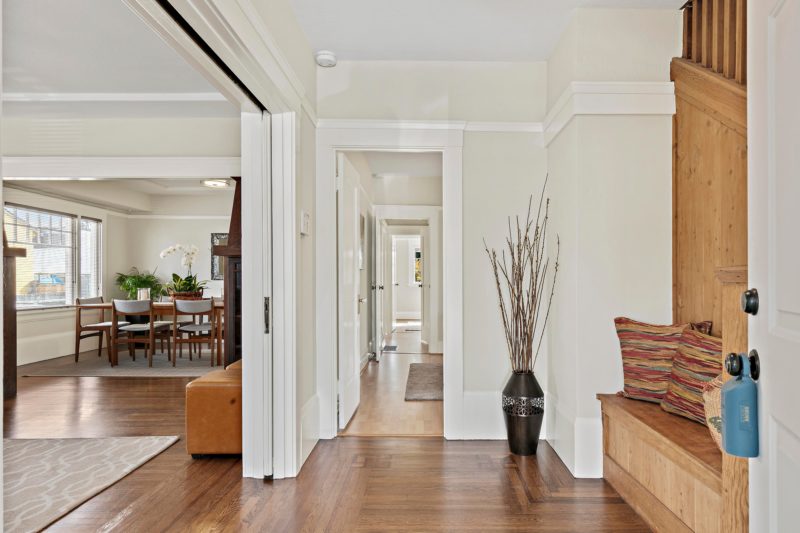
(325, 58)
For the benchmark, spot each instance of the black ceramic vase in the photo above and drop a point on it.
(523, 409)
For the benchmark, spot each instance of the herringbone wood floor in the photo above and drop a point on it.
(348, 484)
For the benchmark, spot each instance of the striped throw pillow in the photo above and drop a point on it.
(647, 353)
(697, 361)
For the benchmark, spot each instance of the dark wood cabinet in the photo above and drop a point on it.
(233, 309)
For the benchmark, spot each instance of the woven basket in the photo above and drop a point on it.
(712, 402)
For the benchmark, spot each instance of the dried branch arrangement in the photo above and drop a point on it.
(520, 272)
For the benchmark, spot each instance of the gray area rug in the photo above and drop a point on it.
(425, 382)
(44, 479)
(90, 365)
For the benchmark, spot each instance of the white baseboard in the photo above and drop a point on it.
(309, 428)
(37, 348)
(483, 417)
(578, 441)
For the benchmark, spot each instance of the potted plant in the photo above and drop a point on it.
(520, 274)
(136, 279)
(184, 288)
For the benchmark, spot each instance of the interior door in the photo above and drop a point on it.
(377, 286)
(774, 256)
(349, 284)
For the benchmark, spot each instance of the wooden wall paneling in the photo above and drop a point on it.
(741, 42)
(687, 31)
(717, 33)
(697, 30)
(709, 189)
(729, 38)
(735, 473)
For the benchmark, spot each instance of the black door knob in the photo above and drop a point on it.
(750, 301)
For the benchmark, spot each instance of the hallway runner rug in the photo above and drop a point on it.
(44, 479)
(425, 382)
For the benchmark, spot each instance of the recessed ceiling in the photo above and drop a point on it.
(64, 56)
(445, 30)
(404, 164)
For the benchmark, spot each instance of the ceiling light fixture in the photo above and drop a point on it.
(216, 184)
(325, 58)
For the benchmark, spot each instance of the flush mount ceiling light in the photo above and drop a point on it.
(216, 184)
(325, 58)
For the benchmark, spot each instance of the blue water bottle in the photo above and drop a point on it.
(740, 406)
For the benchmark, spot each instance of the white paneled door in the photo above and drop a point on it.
(349, 283)
(774, 257)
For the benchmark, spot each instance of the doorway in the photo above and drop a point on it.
(389, 265)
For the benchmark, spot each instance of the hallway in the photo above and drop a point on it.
(383, 410)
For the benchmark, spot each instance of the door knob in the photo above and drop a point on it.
(750, 301)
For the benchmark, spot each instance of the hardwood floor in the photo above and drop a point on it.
(348, 484)
(383, 410)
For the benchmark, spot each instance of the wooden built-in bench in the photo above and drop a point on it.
(666, 467)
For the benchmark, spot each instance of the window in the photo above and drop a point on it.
(63, 259)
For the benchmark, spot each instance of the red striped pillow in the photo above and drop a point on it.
(697, 361)
(647, 353)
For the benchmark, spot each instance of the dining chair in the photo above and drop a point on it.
(91, 323)
(198, 334)
(129, 331)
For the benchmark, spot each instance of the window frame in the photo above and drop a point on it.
(75, 253)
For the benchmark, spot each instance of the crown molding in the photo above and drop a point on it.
(608, 98)
(113, 97)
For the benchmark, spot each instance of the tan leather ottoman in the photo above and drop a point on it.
(214, 414)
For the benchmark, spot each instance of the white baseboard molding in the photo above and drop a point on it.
(578, 441)
(309, 429)
(483, 417)
(50, 346)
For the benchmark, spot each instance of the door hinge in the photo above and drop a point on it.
(266, 314)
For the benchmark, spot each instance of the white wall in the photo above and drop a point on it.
(611, 183)
(406, 190)
(614, 45)
(121, 137)
(432, 90)
(127, 241)
(406, 295)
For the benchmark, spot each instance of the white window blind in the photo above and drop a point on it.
(59, 246)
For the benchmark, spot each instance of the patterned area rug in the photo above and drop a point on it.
(44, 479)
(425, 382)
(90, 365)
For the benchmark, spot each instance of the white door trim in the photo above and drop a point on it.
(256, 285)
(363, 137)
(284, 296)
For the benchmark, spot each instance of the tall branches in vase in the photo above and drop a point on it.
(521, 270)
(520, 273)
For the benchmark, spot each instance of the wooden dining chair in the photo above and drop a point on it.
(198, 334)
(90, 323)
(127, 334)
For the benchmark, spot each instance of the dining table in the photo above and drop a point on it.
(168, 309)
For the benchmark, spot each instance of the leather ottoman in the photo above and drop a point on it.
(214, 413)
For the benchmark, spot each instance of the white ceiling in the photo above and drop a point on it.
(445, 30)
(404, 164)
(90, 49)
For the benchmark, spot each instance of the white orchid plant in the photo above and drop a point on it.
(189, 256)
